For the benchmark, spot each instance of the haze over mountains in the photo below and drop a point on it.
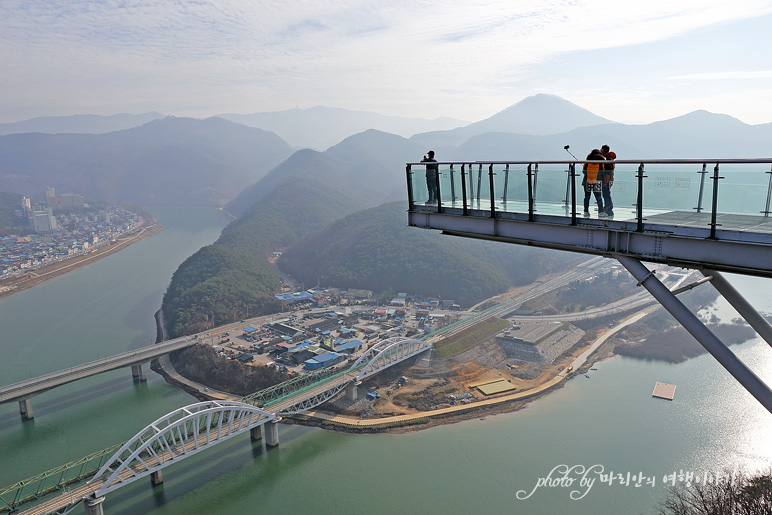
(177, 161)
(169, 161)
(321, 127)
(284, 197)
(79, 124)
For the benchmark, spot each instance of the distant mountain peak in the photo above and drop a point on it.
(539, 115)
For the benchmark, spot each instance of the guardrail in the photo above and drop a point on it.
(494, 188)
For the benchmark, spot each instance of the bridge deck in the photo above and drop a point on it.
(36, 385)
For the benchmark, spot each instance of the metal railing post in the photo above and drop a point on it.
(492, 194)
(535, 179)
(410, 199)
(769, 195)
(452, 185)
(506, 183)
(437, 183)
(463, 188)
(569, 180)
(572, 175)
(639, 201)
(471, 184)
(702, 186)
(479, 182)
(529, 174)
(714, 205)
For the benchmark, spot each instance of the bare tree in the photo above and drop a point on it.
(734, 493)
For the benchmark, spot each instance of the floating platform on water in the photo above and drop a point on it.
(664, 391)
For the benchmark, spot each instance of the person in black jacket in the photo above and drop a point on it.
(608, 178)
(592, 181)
(431, 176)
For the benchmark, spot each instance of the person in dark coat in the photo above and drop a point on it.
(431, 176)
(608, 178)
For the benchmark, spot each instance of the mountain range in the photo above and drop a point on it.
(169, 161)
(290, 200)
(79, 124)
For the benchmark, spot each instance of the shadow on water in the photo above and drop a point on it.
(233, 467)
(142, 317)
(70, 400)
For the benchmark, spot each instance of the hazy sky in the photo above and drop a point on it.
(626, 60)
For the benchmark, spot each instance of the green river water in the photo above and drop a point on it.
(478, 466)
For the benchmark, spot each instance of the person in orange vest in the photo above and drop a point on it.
(608, 178)
(592, 181)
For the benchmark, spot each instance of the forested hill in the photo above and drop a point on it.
(369, 166)
(376, 250)
(232, 278)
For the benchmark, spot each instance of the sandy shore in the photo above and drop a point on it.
(34, 277)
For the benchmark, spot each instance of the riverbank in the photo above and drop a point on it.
(36, 277)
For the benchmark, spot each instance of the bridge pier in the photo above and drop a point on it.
(25, 408)
(272, 432)
(94, 506)
(256, 433)
(351, 390)
(138, 373)
(157, 477)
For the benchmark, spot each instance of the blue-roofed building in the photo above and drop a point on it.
(350, 346)
(291, 298)
(323, 360)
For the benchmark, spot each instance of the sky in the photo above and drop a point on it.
(625, 60)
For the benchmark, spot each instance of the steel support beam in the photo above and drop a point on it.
(696, 328)
(738, 302)
(735, 252)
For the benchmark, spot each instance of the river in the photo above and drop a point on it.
(609, 420)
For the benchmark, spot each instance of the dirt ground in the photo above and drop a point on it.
(433, 388)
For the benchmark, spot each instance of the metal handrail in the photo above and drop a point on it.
(616, 161)
(472, 200)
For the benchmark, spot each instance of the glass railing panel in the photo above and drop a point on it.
(451, 192)
(478, 187)
(511, 187)
(743, 196)
(551, 189)
(671, 187)
(743, 189)
(418, 189)
(673, 192)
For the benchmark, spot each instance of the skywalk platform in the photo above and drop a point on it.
(687, 213)
(712, 215)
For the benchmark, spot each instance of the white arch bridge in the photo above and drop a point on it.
(191, 429)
